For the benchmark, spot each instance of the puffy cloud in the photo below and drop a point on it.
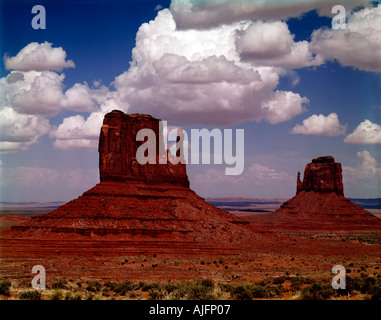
(19, 131)
(77, 133)
(203, 14)
(359, 45)
(197, 76)
(79, 98)
(320, 125)
(284, 106)
(366, 132)
(272, 44)
(41, 93)
(38, 57)
(367, 168)
(368, 165)
(29, 96)
(34, 91)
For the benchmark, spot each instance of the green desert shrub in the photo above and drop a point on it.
(143, 284)
(30, 295)
(93, 286)
(242, 292)
(208, 283)
(5, 287)
(77, 296)
(109, 286)
(69, 295)
(189, 290)
(364, 284)
(318, 292)
(297, 282)
(264, 291)
(124, 287)
(196, 290)
(56, 295)
(61, 284)
(134, 295)
(156, 293)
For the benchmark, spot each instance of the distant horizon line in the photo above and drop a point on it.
(206, 198)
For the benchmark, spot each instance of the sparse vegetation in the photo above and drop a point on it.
(61, 284)
(5, 287)
(30, 295)
(283, 287)
(56, 295)
(318, 292)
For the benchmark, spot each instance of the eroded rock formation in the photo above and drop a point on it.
(319, 203)
(322, 175)
(138, 202)
(118, 148)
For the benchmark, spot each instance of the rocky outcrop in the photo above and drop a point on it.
(138, 202)
(118, 147)
(299, 184)
(319, 203)
(322, 175)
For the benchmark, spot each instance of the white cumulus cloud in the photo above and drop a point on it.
(272, 44)
(77, 133)
(38, 57)
(32, 92)
(359, 45)
(19, 131)
(42, 93)
(367, 168)
(197, 77)
(366, 132)
(190, 14)
(320, 125)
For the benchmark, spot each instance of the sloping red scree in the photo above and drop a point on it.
(319, 204)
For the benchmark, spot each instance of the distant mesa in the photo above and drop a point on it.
(322, 175)
(134, 201)
(319, 203)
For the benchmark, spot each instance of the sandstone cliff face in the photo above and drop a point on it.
(118, 147)
(322, 175)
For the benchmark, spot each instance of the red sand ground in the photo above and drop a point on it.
(310, 254)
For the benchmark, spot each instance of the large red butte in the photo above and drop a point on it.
(138, 202)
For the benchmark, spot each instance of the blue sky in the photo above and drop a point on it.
(298, 88)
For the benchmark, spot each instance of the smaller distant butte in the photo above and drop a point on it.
(319, 203)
